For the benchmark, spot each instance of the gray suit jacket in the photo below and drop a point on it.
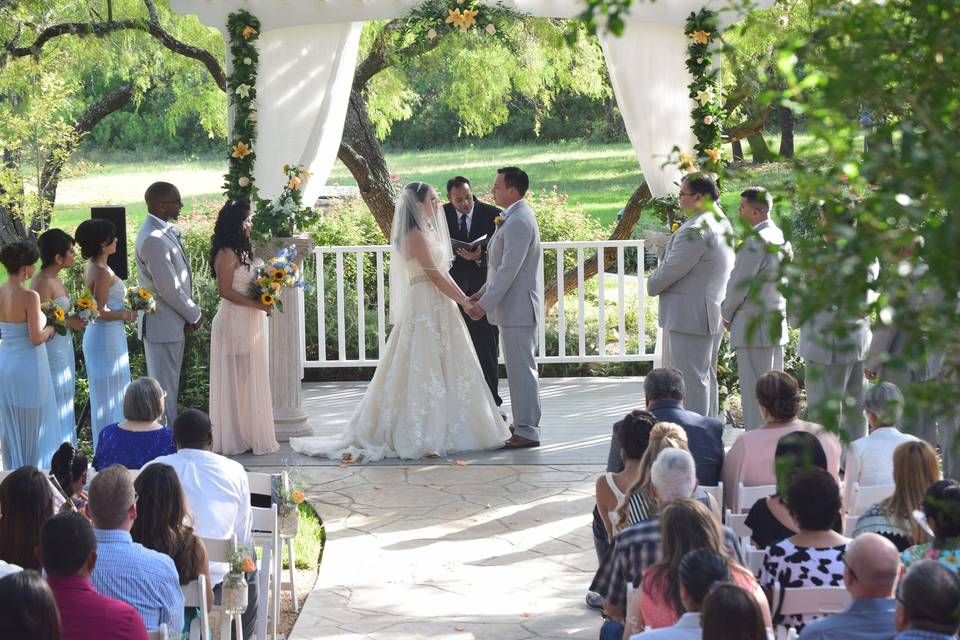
(756, 310)
(693, 275)
(513, 293)
(162, 266)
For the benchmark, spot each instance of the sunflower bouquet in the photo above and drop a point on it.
(140, 299)
(85, 308)
(55, 316)
(273, 276)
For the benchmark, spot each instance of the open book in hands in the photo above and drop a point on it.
(468, 246)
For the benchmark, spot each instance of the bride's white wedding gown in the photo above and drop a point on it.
(428, 395)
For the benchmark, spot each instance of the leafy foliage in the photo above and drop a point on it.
(244, 29)
(707, 113)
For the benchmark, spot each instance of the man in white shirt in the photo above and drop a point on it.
(219, 496)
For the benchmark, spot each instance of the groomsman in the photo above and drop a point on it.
(469, 219)
(754, 311)
(163, 267)
(690, 282)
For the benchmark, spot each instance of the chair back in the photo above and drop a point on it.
(737, 523)
(220, 549)
(717, 494)
(260, 483)
(849, 524)
(866, 497)
(160, 633)
(809, 600)
(195, 595)
(752, 556)
(746, 496)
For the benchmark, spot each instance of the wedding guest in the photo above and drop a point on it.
(69, 469)
(928, 603)
(730, 613)
(140, 437)
(27, 608)
(915, 469)
(748, 460)
(639, 503)
(941, 508)
(153, 589)
(26, 502)
(29, 425)
(68, 549)
(161, 525)
(105, 340)
(240, 405)
(57, 254)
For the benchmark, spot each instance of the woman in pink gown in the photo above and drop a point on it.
(240, 405)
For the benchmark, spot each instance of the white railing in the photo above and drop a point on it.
(339, 292)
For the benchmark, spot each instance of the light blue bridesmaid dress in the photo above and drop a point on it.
(29, 428)
(63, 369)
(108, 366)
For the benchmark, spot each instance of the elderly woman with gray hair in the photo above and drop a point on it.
(870, 458)
(140, 437)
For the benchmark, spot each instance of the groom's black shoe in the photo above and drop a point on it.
(519, 442)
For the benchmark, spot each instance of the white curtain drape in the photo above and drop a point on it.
(649, 75)
(303, 88)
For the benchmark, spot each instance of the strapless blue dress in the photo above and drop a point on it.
(108, 365)
(63, 369)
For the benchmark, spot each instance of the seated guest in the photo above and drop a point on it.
(153, 589)
(870, 458)
(928, 603)
(68, 469)
(871, 569)
(27, 608)
(686, 525)
(748, 460)
(638, 547)
(664, 393)
(769, 519)
(68, 550)
(161, 525)
(140, 437)
(218, 493)
(730, 613)
(915, 469)
(941, 506)
(813, 557)
(698, 572)
(26, 502)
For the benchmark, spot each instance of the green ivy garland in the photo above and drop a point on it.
(707, 113)
(244, 29)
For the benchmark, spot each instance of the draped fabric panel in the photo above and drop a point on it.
(649, 76)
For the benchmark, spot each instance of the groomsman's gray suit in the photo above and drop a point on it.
(757, 313)
(512, 298)
(691, 281)
(833, 362)
(163, 267)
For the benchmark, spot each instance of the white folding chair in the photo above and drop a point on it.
(717, 494)
(738, 524)
(160, 633)
(746, 496)
(195, 595)
(266, 534)
(262, 484)
(807, 601)
(219, 551)
(849, 524)
(286, 541)
(865, 497)
(752, 556)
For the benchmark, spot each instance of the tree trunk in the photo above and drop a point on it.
(759, 150)
(786, 132)
(623, 231)
(737, 150)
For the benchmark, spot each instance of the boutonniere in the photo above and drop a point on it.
(498, 221)
(677, 224)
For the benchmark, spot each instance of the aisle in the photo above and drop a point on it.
(450, 551)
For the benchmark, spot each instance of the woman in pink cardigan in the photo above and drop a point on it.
(750, 459)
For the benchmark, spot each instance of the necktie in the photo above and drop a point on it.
(463, 226)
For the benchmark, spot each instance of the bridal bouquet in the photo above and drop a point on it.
(274, 276)
(85, 308)
(55, 317)
(140, 299)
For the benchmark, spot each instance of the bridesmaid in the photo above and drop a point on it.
(240, 405)
(56, 253)
(28, 409)
(104, 341)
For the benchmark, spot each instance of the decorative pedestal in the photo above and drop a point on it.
(287, 350)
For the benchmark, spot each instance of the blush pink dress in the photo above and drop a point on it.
(241, 407)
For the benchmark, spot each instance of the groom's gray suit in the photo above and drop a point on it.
(512, 298)
(163, 267)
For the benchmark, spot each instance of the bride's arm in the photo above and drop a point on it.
(225, 264)
(441, 279)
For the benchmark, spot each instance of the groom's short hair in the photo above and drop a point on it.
(158, 190)
(457, 182)
(516, 178)
(192, 427)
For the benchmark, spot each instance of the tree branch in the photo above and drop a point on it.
(379, 58)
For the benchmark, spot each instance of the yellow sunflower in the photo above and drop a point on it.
(58, 314)
(144, 294)
(266, 299)
(279, 275)
(84, 303)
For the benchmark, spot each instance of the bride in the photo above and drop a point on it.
(428, 397)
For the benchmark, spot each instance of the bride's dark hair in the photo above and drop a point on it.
(228, 233)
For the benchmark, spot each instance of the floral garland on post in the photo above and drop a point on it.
(244, 29)
(707, 113)
(285, 215)
(437, 16)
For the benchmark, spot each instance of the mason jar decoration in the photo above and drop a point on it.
(289, 521)
(234, 593)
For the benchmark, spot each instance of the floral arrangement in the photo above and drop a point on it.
(707, 113)
(276, 274)
(244, 29)
(286, 213)
(241, 561)
(55, 317)
(85, 307)
(140, 299)
(434, 17)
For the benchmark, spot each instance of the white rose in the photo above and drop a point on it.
(708, 120)
(247, 61)
(432, 33)
(491, 29)
(243, 181)
(252, 117)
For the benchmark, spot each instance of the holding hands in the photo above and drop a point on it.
(471, 308)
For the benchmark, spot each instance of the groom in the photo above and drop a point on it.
(511, 299)
(163, 267)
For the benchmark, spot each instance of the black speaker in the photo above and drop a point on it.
(118, 216)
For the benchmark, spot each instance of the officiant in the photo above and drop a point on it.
(469, 219)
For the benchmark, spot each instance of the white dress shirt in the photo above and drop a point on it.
(469, 218)
(218, 496)
(870, 460)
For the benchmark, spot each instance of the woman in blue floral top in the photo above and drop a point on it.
(941, 506)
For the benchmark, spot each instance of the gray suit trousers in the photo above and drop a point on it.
(695, 356)
(753, 362)
(164, 361)
(835, 392)
(519, 351)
